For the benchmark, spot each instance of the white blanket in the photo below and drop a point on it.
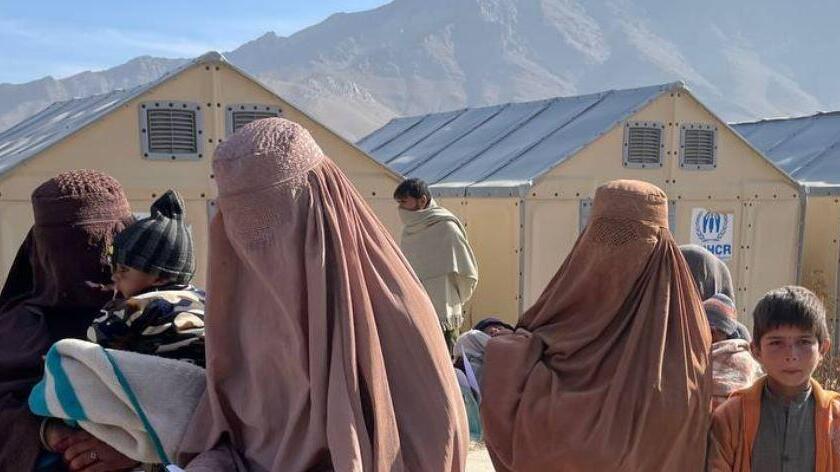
(80, 384)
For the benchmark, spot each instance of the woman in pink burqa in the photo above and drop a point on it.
(323, 350)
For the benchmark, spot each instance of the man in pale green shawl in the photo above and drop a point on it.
(435, 243)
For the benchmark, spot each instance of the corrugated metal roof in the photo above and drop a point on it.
(501, 149)
(62, 119)
(807, 148)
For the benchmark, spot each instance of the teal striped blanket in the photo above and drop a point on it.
(118, 396)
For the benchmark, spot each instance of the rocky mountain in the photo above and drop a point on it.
(18, 101)
(746, 59)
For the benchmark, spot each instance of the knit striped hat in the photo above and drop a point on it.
(160, 244)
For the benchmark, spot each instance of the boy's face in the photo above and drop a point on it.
(130, 282)
(789, 355)
(411, 203)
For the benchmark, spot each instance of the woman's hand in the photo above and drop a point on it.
(57, 435)
(85, 453)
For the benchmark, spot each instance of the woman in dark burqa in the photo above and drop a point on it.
(53, 291)
(711, 277)
(710, 273)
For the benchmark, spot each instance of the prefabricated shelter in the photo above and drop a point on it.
(808, 149)
(159, 136)
(522, 176)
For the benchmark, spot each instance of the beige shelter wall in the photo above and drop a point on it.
(16, 217)
(767, 240)
(551, 229)
(741, 176)
(822, 252)
(113, 145)
(492, 226)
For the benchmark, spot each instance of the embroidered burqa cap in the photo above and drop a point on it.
(609, 370)
(323, 350)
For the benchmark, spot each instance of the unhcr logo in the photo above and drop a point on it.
(712, 231)
(711, 226)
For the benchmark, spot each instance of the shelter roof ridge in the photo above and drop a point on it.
(48, 127)
(819, 114)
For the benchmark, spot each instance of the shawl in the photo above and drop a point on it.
(323, 351)
(733, 368)
(101, 392)
(470, 348)
(435, 243)
(45, 297)
(612, 358)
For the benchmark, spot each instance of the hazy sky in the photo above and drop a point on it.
(61, 38)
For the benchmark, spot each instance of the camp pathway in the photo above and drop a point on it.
(478, 460)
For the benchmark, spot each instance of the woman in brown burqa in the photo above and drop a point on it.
(323, 351)
(46, 298)
(609, 370)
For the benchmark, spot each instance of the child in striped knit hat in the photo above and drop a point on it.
(733, 366)
(155, 311)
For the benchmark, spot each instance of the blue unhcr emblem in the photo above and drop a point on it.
(710, 226)
(712, 230)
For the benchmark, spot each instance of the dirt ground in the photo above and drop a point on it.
(478, 460)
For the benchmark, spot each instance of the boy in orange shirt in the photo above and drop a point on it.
(785, 421)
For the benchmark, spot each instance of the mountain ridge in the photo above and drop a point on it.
(355, 71)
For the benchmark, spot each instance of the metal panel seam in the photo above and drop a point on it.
(435, 130)
(522, 264)
(419, 120)
(808, 124)
(665, 88)
(476, 126)
(560, 159)
(800, 252)
(519, 124)
(814, 159)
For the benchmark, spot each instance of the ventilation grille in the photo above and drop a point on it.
(698, 146)
(171, 131)
(242, 118)
(240, 114)
(643, 144)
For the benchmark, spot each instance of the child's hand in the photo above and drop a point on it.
(101, 287)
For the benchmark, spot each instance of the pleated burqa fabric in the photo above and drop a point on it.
(609, 370)
(323, 350)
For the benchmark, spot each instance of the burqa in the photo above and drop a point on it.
(609, 370)
(46, 297)
(323, 350)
